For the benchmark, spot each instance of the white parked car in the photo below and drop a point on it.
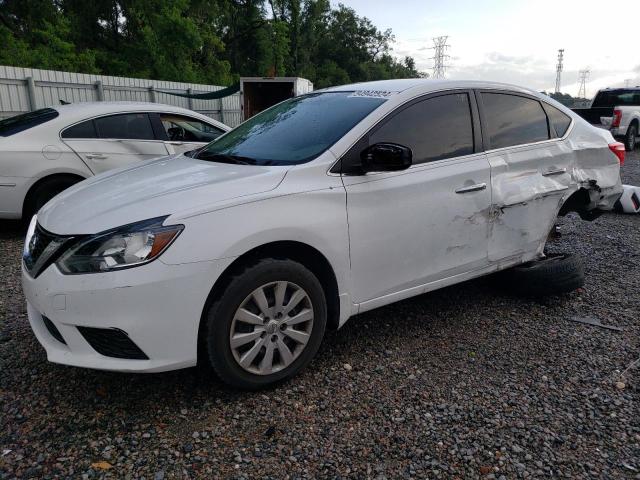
(321, 207)
(47, 150)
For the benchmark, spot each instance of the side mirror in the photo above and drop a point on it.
(386, 157)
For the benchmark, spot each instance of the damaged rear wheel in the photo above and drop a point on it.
(553, 274)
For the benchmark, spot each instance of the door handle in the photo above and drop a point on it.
(96, 156)
(472, 188)
(554, 171)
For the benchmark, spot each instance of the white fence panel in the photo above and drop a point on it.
(49, 87)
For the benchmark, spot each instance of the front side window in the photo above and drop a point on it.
(294, 131)
(134, 126)
(559, 120)
(180, 128)
(513, 120)
(434, 129)
(19, 123)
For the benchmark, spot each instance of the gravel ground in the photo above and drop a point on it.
(465, 382)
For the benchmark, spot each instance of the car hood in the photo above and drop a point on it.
(171, 185)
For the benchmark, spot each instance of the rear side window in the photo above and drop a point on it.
(559, 121)
(19, 123)
(513, 120)
(615, 98)
(434, 129)
(134, 126)
(81, 130)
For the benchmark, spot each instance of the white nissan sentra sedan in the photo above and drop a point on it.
(242, 253)
(46, 151)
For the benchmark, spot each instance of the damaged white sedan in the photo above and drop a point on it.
(242, 253)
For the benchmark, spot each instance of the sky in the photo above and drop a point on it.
(516, 41)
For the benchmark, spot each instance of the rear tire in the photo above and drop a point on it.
(281, 343)
(630, 138)
(44, 192)
(554, 274)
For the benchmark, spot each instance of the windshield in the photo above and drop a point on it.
(19, 123)
(616, 98)
(294, 131)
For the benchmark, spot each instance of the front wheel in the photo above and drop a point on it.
(630, 138)
(267, 325)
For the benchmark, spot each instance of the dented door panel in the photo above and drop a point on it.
(529, 185)
(417, 226)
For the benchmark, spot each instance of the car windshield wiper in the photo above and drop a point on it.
(225, 158)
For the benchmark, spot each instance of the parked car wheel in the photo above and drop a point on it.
(630, 138)
(44, 192)
(267, 325)
(553, 274)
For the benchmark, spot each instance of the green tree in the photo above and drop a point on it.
(206, 41)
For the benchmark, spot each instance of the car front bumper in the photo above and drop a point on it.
(157, 307)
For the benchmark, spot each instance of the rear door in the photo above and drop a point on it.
(428, 222)
(182, 133)
(529, 170)
(114, 141)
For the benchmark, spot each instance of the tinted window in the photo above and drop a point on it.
(180, 128)
(19, 123)
(559, 120)
(81, 130)
(614, 98)
(135, 126)
(513, 120)
(294, 131)
(434, 129)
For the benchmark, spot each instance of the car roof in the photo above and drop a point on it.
(423, 85)
(75, 112)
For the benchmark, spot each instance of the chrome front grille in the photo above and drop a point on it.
(41, 249)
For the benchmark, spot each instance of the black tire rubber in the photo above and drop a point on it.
(630, 138)
(554, 274)
(219, 317)
(44, 192)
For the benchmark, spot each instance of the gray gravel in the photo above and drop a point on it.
(465, 382)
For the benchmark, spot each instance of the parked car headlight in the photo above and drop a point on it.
(124, 247)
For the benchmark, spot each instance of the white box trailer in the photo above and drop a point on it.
(260, 93)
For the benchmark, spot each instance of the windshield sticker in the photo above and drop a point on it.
(372, 93)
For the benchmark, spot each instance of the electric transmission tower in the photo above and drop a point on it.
(627, 82)
(559, 69)
(440, 56)
(583, 75)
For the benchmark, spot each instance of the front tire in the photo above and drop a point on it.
(267, 325)
(630, 138)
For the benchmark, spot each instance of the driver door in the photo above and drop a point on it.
(427, 223)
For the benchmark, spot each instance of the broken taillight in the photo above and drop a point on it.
(618, 149)
(617, 117)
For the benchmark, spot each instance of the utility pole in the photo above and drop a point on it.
(559, 69)
(440, 56)
(583, 75)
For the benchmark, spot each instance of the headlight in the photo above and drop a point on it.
(124, 247)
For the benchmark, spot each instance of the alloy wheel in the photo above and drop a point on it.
(271, 327)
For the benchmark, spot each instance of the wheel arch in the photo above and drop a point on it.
(30, 192)
(580, 202)
(297, 251)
